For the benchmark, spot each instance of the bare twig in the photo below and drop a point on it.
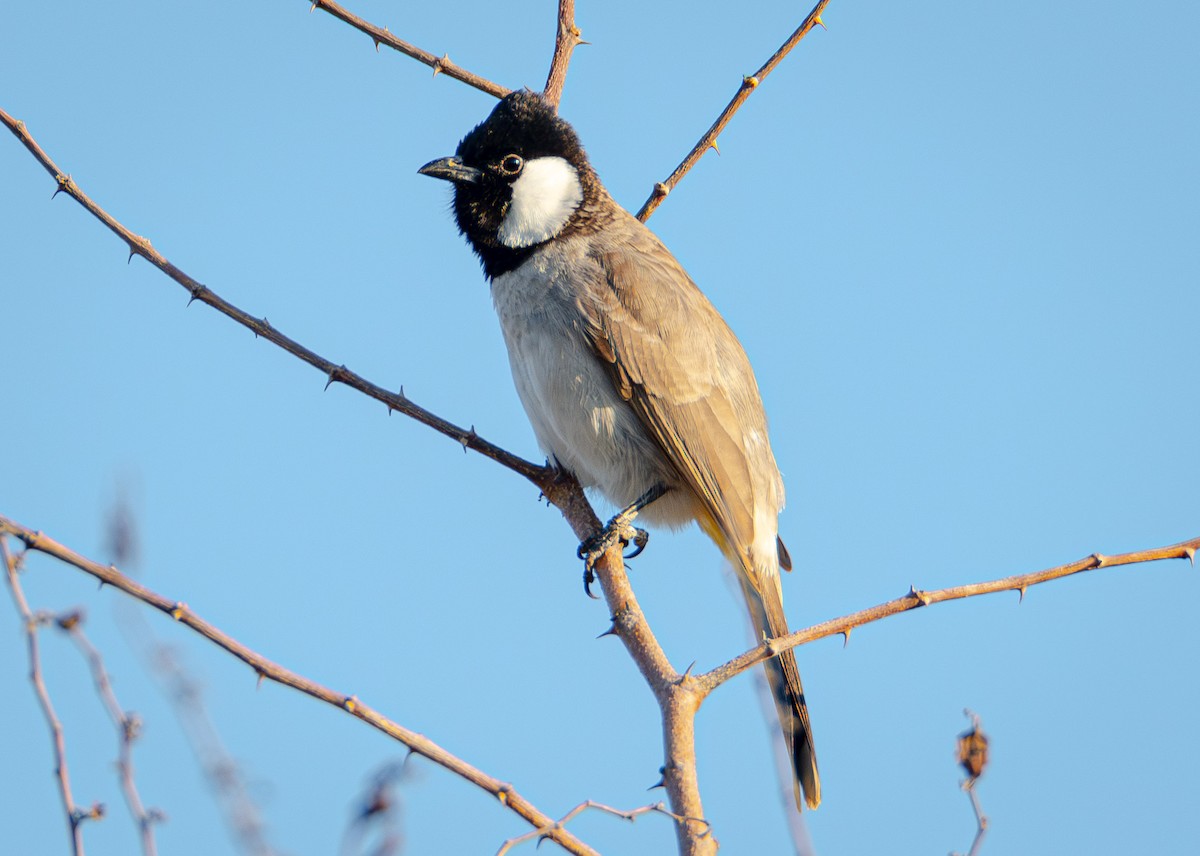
(381, 36)
(129, 727)
(916, 599)
(75, 816)
(270, 670)
(564, 45)
(333, 372)
(630, 815)
(748, 85)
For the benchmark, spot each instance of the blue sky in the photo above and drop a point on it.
(958, 241)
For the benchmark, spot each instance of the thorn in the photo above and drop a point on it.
(1190, 552)
(437, 66)
(713, 146)
(376, 41)
(1099, 559)
(64, 183)
(611, 631)
(196, 292)
(333, 375)
(662, 779)
(1021, 595)
(179, 610)
(258, 683)
(687, 673)
(749, 81)
(502, 795)
(846, 638)
(314, 6)
(921, 596)
(817, 20)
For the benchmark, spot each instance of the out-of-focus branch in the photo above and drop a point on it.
(129, 728)
(565, 42)
(270, 670)
(75, 816)
(334, 373)
(973, 757)
(916, 599)
(381, 36)
(709, 140)
(630, 815)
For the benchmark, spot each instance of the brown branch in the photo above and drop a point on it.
(128, 725)
(381, 36)
(709, 140)
(74, 815)
(915, 599)
(334, 373)
(564, 45)
(270, 670)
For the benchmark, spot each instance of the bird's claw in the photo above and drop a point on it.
(619, 530)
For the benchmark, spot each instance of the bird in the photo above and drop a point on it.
(631, 379)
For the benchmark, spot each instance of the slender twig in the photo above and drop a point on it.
(333, 372)
(748, 85)
(981, 821)
(270, 670)
(565, 42)
(381, 36)
(74, 815)
(128, 725)
(629, 815)
(916, 599)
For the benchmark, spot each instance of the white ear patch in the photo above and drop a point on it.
(543, 198)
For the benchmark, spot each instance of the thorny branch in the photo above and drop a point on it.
(128, 726)
(334, 373)
(567, 40)
(270, 670)
(916, 599)
(748, 85)
(381, 36)
(75, 816)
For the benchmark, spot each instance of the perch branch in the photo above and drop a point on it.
(916, 599)
(748, 85)
(381, 36)
(270, 670)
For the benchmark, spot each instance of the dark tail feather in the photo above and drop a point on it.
(766, 612)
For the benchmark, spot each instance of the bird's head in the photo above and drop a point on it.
(519, 178)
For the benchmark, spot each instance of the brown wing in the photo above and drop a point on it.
(683, 371)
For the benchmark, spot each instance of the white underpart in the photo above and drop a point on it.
(543, 198)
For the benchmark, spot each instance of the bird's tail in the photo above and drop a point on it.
(766, 613)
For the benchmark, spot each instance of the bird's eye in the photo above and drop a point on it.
(511, 164)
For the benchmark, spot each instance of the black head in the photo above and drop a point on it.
(519, 178)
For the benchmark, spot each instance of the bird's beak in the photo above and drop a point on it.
(451, 169)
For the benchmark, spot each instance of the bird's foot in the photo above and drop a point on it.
(619, 530)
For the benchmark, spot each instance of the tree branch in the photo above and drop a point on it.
(564, 45)
(915, 599)
(709, 140)
(381, 36)
(262, 328)
(129, 727)
(270, 670)
(74, 815)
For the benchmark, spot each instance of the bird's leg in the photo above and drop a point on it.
(619, 530)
